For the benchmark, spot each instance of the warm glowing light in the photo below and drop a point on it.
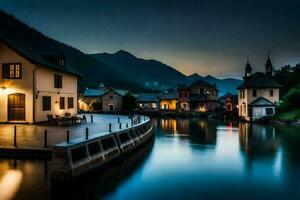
(9, 184)
(202, 109)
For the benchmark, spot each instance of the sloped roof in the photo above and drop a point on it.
(93, 92)
(121, 92)
(97, 92)
(203, 83)
(168, 95)
(259, 80)
(36, 58)
(147, 97)
(261, 101)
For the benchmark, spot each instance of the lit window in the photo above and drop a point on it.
(11, 71)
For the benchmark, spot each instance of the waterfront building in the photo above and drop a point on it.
(35, 85)
(258, 94)
(200, 96)
(183, 98)
(102, 99)
(148, 101)
(229, 101)
(168, 100)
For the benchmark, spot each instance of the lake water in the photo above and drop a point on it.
(189, 159)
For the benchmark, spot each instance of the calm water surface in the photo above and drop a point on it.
(189, 159)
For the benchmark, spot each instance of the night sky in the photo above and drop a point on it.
(204, 36)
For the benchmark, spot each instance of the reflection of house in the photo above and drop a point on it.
(257, 140)
(229, 101)
(34, 85)
(148, 101)
(259, 93)
(168, 100)
(102, 99)
(199, 96)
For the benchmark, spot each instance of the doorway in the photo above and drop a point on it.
(16, 107)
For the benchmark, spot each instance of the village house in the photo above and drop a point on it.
(258, 94)
(229, 101)
(102, 99)
(168, 100)
(200, 96)
(183, 98)
(34, 85)
(148, 101)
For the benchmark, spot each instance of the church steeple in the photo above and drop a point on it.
(269, 66)
(248, 70)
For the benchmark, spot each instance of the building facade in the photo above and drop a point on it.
(258, 94)
(34, 85)
(200, 96)
(168, 101)
(229, 102)
(102, 99)
(148, 101)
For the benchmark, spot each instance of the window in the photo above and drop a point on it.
(12, 71)
(242, 94)
(111, 96)
(62, 103)
(57, 81)
(46, 103)
(269, 111)
(201, 90)
(254, 93)
(70, 102)
(271, 93)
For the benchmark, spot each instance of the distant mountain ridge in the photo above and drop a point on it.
(93, 70)
(151, 73)
(120, 69)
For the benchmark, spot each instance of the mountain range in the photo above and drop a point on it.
(120, 69)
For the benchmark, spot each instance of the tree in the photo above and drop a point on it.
(129, 102)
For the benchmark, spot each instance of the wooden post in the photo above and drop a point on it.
(68, 136)
(131, 121)
(45, 139)
(86, 133)
(15, 136)
(109, 127)
(120, 125)
(118, 119)
(126, 125)
(92, 120)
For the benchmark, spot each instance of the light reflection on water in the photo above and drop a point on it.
(190, 159)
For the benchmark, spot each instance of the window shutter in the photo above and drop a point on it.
(5, 70)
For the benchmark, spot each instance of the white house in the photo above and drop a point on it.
(34, 85)
(258, 94)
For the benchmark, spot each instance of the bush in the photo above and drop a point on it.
(96, 106)
(291, 100)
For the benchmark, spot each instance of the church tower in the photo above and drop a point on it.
(269, 67)
(248, 70)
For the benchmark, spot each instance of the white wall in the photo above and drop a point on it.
(45, 87)
(23, 85)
